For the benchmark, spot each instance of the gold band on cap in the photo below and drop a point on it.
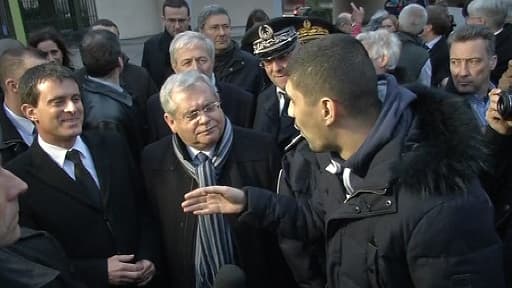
(309, 32)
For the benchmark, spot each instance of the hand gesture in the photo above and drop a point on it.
(357, 14)
(214, 199)
(494, 118)
(121, 271)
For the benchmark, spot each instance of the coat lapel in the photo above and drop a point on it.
(47, 171)
(101, 163)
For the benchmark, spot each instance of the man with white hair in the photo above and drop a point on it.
(204, 150)
(383, 48)
(414, 63)
(493, 13)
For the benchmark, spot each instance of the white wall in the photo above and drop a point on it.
(135, 18)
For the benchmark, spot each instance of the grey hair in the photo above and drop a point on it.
(493, 11)
(382, 43)
(210, 10)
(187, 40)
(474, 32)
(342, 19)
(412, 19)
(182, 82)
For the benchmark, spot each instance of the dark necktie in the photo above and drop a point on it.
(84, 178)
(284, 111)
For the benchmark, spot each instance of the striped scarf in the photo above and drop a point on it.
(214, 244)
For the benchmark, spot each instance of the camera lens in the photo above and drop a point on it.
(505, 105)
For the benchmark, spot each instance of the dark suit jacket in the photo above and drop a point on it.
(440, 60)
(236, 103)
(156, 58)
(11, 142)
(268, 120)
(252, 161)
(88, 233)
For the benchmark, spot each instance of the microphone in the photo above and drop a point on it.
(230, 276)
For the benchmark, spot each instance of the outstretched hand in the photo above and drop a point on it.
(214, 199)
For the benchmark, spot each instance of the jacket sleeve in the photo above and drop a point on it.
(93, 271)
(291, 218)
(454, 244)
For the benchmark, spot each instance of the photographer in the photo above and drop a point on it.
(498, 183)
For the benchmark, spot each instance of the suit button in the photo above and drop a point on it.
(388, 203)
(357, 209)
(507, 207)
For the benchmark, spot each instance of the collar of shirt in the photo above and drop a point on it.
(58, 154)
(24, 126)
(192, 152)
(280, 97)
(110, 84)
(433, 42)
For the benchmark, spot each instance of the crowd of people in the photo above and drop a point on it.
(368, 152)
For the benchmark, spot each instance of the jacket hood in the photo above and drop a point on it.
(451, 151)
(426, 139)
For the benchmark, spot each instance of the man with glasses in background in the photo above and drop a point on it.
(155, 56)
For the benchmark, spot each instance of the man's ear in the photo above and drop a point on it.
(169, 120)
(11, 84)
(30, 112)
(329, 111)
(492, 63)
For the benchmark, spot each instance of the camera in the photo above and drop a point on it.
(505, 105)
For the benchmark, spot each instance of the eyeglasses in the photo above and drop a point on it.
(209, 108)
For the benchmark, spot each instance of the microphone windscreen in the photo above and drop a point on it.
(230, 276)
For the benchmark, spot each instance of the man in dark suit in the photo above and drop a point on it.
(17, 131)
(193, 51)
(155, 56)
(274, 42)
(206, 149)
(434, 34)
(83, 188)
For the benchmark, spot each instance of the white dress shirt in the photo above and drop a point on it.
(58, 154)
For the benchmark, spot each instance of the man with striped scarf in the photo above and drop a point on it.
(204, 150)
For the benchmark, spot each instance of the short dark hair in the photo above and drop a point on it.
(38, 74)
(336, 66)
(12, 62)
(439, 18)
(256, 16)
(49, 33)
(474, 32)
(100, 51)
(175, 4)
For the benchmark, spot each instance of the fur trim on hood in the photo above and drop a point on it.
(451, 151)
